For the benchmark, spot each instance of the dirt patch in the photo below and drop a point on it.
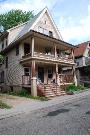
(13, 100)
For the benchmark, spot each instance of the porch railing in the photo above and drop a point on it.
(50, 56)
(66, 78)
(26, 80)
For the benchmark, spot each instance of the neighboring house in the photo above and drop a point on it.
(82, 59)
(35, 55)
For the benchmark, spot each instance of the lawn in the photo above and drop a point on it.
(4, 105)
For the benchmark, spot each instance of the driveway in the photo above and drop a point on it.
(68, 118)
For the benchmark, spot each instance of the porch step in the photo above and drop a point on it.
(63, 92)
(48, 91)
(56, 90)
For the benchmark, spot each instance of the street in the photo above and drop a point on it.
(70, 118)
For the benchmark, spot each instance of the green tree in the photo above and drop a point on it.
(14, 17)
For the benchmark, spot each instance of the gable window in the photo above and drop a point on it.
(17, 49)
(50, 33)
(27, 71)
(6, 62)
(2, 77)
(46, 32)
(40, 29)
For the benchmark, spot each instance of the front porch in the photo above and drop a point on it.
(46, 79)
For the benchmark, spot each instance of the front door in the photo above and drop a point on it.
(41, 74)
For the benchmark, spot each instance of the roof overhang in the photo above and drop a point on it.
(33, 33)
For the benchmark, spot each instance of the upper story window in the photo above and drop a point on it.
(50, 33)
(89, 53)
(45, 31)
(40, 29)
(26, 48)
(2, 44)
(17, 49)
(6, 62)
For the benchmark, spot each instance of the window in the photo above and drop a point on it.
(17, 49)
(40, 29)
(50, 73)
(27, 71)
(46, 32)
(50, 33)
(6, 62)
(2, 77)
(2, 44)
(26, 48)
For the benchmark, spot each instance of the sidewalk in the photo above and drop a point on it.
(35, 104)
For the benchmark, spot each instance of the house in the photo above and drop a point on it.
(35, 54)
(82, 59)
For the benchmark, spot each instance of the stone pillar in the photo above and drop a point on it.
(33, 81)
(32, 46)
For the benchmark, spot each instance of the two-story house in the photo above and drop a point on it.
(35, 55)
(82, 59)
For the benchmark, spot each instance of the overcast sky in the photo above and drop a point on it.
(71, 16)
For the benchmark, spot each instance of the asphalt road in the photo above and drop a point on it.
(64, 119)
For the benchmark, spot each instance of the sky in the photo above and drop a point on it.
(72, 17)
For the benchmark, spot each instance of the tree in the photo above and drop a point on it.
(14, 17)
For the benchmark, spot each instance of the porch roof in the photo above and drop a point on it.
(33, 33)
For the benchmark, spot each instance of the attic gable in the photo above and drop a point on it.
(45, 21)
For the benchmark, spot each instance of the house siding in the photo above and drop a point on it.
(14, 72)
(49, 26)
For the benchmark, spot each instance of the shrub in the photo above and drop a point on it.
(72, 88)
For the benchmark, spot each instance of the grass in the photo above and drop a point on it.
(4, 105)
(25, 93)
(72, 88)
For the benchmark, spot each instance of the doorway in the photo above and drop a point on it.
(41, 74)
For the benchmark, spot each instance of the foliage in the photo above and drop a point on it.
(4, 105)
(25, 93)
(14, 18)
(73, 88)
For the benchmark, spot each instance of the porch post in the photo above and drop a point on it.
(33, 80)
(57, 73)
(32, 46)
(72, 51)
(74, 75)
(55, 52)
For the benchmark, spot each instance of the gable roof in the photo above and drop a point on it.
(80, 49)
(30, 25)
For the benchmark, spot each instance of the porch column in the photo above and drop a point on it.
(32, 46)
(33, 80)
(57, 73)
(74, 75)
(72, 51)
(55, 52)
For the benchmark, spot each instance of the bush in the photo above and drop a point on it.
(72, 88)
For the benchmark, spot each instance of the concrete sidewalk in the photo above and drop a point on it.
(35, 104)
